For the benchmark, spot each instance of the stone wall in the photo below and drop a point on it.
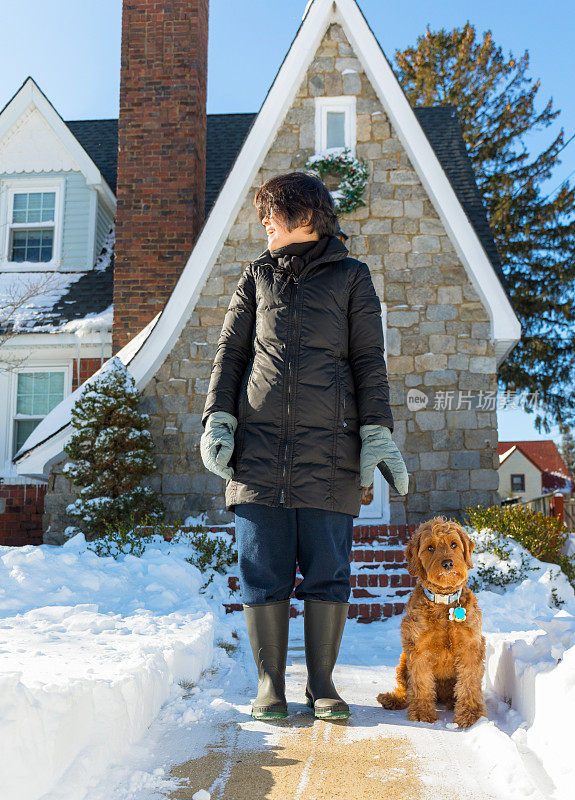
(437, 328)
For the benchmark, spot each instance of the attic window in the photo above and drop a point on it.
(32, 226)
(32, 210)
(335, 123)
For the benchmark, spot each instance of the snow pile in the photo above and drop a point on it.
(530, 655)
(96, 321)
(91, 649)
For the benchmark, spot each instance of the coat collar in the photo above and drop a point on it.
(442, 598)
(334, 251)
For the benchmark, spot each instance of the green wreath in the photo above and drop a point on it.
(354, 172)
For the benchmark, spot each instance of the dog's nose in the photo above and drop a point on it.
(447, 563)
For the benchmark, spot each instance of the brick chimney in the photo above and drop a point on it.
(161, 154)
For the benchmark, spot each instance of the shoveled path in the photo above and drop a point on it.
(374, 754)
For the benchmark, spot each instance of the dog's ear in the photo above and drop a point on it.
(414, 565)
(468, 547)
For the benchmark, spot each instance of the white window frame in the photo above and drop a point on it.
(379, 510)
(346, 103)
(66, 368)
(10, 187)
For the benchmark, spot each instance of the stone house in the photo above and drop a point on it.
(448, 321)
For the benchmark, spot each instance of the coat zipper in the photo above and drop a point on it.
(282, 495)
(296, 280)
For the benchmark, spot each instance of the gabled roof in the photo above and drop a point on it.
(543, 454)
(226, 134)
(148, 350)
(28, 101)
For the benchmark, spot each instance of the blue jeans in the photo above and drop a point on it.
(270, 539)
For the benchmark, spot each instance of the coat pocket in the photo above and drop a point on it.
(242, 408)
(243, 393)
(340, 394)
(350, 401)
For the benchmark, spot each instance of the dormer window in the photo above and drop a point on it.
(32, 210)
(32, 226)
(335, 123)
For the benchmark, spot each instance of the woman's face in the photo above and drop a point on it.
(278, 234)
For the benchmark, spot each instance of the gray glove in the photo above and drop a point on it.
(377, 445)
(217, 443)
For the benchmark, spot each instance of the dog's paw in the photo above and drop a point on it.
(391, 700)
(467, 716)
(422, 713)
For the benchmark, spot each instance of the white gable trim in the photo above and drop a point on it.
(30, 96)
(148, 350)
(504, 456)
(504, 323)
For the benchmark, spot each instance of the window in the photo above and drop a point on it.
(518, 483)
(30, 222)
(36, 395)
(335, 123)
(32, 226)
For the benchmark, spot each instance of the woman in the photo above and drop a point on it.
(299, 401)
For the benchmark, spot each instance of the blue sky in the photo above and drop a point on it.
(72, 50)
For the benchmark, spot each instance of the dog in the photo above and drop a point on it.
(443, 654)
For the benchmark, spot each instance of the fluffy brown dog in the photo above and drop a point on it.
(442, 658)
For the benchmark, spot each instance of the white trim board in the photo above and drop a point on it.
(148, 350)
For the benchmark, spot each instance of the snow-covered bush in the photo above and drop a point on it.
(544, 537)
(111, 452)
(498, 561)
(122, 539)
(211, 553)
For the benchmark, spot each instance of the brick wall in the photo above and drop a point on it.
(161, 154)
(21, 509)
(83, 370)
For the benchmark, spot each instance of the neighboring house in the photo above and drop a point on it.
(186, 228)
(529, 469)
(57, 209)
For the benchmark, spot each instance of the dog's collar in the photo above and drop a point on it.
(443, 598)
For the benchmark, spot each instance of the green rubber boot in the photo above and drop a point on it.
(268, 628)
(323, 628)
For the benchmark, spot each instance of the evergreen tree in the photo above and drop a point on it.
(534, 233)
(568, 449)
(111, 451)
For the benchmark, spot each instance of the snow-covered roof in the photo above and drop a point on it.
(48, 301)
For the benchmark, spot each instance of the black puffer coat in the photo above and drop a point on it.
(300, 363)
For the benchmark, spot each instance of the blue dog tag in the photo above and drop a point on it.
(458, 613)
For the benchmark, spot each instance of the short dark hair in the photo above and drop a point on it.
(295, 197)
